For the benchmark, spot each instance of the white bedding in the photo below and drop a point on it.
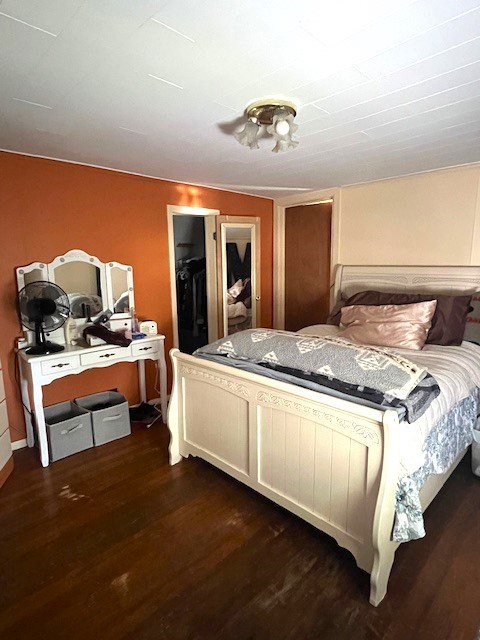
(457, 372)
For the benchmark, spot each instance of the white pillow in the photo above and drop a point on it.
(321, 330)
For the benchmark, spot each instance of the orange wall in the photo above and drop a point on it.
(49, 207)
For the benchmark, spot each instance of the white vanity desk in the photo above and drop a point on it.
(38, 371)
(104, 285)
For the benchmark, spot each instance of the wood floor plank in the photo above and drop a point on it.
(114, 543)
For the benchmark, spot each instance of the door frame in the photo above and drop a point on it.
(224, 222)
(211, 263)
(280, 205)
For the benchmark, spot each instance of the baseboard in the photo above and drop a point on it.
(19, 444)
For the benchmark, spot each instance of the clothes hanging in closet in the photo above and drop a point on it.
(238, 269)
(191, 294)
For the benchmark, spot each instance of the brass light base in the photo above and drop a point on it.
(263, 111)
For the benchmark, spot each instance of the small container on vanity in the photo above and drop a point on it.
(109, 413)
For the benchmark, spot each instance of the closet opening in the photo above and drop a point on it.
(193, 276)
(191, 282)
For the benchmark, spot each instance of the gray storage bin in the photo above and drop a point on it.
(69, 429)
(110, 416)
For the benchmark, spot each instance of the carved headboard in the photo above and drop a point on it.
(350, 279)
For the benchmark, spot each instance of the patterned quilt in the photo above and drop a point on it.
(374, 367)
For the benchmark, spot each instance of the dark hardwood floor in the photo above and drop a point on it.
(113, 543)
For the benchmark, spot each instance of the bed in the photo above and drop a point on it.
(333, 462)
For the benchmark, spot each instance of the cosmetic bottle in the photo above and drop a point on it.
(135, 323)
(70, 329)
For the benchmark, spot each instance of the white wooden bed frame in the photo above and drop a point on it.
(332, 462)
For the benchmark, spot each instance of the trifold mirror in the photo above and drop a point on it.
(92, 286)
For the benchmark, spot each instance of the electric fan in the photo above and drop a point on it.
(44, 306)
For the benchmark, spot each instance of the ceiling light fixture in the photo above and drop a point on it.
(277, 117)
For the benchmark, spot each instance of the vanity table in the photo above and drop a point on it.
(38, 371)
(92, 286)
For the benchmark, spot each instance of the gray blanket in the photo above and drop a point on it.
(335, 358)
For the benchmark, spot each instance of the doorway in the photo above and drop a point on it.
(307, 264)
(193, 276)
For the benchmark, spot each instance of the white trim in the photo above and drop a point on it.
(134, 173)
(173, 210)
(192, 211)
(19, 444)
(242, 193)
(280, 204)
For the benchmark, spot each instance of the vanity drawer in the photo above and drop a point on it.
(50, 367)
(106, 355)
(142, 347)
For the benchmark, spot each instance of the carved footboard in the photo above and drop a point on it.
(329, 461)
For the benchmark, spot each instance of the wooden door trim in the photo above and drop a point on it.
(312, 197)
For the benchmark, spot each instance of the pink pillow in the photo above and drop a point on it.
(404, 326)
(234, 291)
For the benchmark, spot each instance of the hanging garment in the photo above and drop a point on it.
(238, 269)
(191, 296)
(199, 292)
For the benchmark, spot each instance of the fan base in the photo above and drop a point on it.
(44, 349)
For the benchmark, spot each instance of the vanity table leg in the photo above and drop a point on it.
(27, 409)
(40, 422)
(163, 385)
(141, 380)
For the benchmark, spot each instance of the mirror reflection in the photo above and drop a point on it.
(238, 252)
(120, 292)
(33, 276)
(81, 281)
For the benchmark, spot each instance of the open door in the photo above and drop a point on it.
(238, 269)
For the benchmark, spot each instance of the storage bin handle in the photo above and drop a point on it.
(67, 431)
(110, 418)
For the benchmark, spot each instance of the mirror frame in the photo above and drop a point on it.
(238, 222)
(77, 255)
(129, 272)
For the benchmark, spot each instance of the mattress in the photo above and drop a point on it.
(457, 372)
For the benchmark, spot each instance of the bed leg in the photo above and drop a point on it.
(173, 417)
(382, 544)
(382, 565)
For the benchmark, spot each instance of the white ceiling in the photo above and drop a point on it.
(157, 87)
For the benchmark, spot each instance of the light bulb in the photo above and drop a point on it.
(282, 127)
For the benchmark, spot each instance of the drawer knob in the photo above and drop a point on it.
(60, 365)
(145, 348)
(107, 355)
